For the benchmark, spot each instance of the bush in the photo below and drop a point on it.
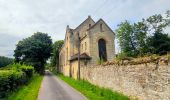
(28, 70)
(11, 79)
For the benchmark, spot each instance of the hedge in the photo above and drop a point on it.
(11, 79)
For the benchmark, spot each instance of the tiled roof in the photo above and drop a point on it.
(82, 56)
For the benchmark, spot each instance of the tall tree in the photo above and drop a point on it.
(55, 54)
(126, 37)
(144, 37)
(158, 41)
(34, 50)
(140, 34)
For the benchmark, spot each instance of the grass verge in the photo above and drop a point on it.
(91, 91)
(29, 91)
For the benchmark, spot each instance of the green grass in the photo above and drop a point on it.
(29, 91)
(91, 91)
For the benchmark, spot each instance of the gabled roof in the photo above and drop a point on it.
(82, 56)
(98, 22)
(89, 18)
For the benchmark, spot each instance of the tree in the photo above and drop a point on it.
(34, 50)
(55, 53)
(146, 36)
(4, 61)
(140, 34)
(158, 41)
(126, 37)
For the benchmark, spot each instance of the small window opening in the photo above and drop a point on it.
(89, 25)
(82, 47)
(85, 46)
(101, 27)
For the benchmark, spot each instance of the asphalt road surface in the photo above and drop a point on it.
(52, 88)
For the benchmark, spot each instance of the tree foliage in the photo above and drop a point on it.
(34, 50)
(146, 36)
(4, 61)
(55, 53)
(12, 77)
(158, 41)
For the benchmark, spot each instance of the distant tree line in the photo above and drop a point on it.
(4, 61)
(144, 37)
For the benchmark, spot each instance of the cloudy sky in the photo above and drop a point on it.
(21, 18)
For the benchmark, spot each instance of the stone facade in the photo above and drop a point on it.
(90, 33)
(145, 81)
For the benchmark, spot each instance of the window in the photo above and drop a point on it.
(85, 46)
(102, 49)
(89, 25)
(101, 27)
(82, 47)
(67, 53)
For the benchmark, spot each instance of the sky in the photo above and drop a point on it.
(21, 18)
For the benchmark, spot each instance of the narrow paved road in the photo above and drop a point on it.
(52, 88)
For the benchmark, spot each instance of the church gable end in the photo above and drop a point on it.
(96, 42)
(84, 26)
(101, 26)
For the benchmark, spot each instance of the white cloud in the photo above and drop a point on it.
(21, 18)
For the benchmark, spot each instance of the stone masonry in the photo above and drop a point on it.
(145, 81)
(96, 42)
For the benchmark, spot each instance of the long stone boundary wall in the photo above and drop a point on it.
(145, 81)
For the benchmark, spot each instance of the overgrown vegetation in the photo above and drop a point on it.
(100, 61)
(145, 37)
(29, 91)
(34, 51)
(91, 91)
(4, 61)
(14, 76)
(157, 59)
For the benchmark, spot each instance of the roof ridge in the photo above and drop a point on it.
(89, 17)
(98, 22)
(95, 23)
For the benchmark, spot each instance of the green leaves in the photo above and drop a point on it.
(146, 36)
(159, 43)
(13, 77)
(34, 50)
(55, 53)
(127, 38)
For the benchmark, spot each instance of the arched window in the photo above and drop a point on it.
(102, 49)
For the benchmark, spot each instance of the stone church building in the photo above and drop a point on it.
(96, 43)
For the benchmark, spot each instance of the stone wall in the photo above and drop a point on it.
(146, 81)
